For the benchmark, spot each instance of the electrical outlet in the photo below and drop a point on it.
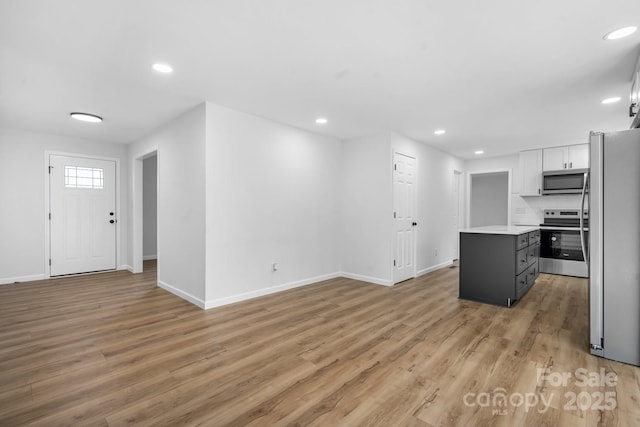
(275, 266)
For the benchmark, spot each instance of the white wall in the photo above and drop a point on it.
(237, 193)
(180, 146)
(366, 205)
(489, 204)
(530, 210)
(22, 188)
(436, 230)
(491, 164)
(270, 197)
(150, 207)
(524, 210)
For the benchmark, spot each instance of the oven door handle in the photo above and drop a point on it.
(582, 241)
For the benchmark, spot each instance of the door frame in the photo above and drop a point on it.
(460, 214)
(395, 151)
(469, 190)
(47, 200)
(137, 226)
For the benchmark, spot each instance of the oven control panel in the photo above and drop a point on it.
(565, 213)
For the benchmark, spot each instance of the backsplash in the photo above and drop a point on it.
(530, 210)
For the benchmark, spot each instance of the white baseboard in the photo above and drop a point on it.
(368, 279)
(126, 267)
(148, 257)
(266, 291)
(182, 294)
(384, 282)
(434, 268)
(31, 278)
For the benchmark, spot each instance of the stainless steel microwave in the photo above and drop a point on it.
(569, 181)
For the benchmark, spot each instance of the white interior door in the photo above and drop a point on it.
(82, 203)
(404, 214)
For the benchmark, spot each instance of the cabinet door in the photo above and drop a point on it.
(522, 260)
(579, 156)
(522, 283)
(554, 159)
(531, 173)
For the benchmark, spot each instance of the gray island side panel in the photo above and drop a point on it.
(487, 267)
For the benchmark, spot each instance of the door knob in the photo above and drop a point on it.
(111, 213)
(112, 221)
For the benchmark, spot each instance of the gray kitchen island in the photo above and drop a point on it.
(498, 263)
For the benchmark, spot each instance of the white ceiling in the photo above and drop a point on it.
(498, 75)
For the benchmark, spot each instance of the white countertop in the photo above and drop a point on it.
(501, 229)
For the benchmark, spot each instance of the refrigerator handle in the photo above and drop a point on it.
(583, 244)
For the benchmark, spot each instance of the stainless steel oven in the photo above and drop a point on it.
(561, 243)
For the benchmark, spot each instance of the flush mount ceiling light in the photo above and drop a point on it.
(440, 132)
(86, 117)
(321, 121)
(620, 33)
(162, 68)
(478, 152)
(611, 100)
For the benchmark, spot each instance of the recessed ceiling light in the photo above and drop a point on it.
(321, 121)
(611, 100)
(620, 33)
(85, 117)
(162, 68)
(479, 152)
(440, 132)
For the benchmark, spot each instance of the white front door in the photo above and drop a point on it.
(404, 215)
(82, 206)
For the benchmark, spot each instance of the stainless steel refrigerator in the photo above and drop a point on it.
(614, 245)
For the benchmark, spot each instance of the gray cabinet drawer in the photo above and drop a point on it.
(522, 283)
(522, 260)
(532, 273)
(522, 241)
(532, 254)
(534, 237)
(537, 268)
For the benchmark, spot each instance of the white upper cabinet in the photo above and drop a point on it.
(579, 156)
(568, 157)
(555, 158)
(531, 173)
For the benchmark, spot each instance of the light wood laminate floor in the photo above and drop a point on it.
(113, 349)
